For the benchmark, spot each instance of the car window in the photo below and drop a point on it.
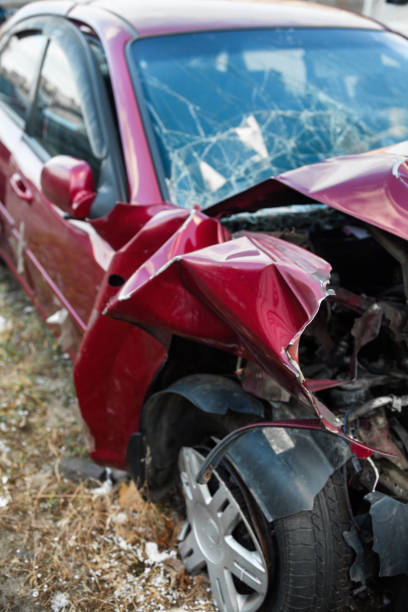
(18, 67)
(58, 123)
(232, 108)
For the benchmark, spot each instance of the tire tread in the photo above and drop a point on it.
(315, 559)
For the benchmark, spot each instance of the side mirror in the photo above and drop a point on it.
(68, 183)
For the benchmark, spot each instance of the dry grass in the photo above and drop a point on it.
(66, 546)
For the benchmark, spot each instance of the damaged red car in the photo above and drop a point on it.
(208, 202)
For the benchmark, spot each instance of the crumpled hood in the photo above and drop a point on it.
(372, 187)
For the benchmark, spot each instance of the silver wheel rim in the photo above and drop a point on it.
(207, 541)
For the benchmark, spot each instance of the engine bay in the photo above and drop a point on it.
(355, 351)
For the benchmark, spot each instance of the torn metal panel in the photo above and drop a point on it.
(390, 529)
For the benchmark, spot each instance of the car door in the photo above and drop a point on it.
(20, 57)
(64, 259)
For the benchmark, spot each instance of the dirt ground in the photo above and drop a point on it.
(63, 545)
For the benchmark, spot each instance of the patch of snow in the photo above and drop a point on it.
(3, 501)
(3, 447)
(120, 519)
(154, 556)
(3, 324)
(123, 545)
(59, 601)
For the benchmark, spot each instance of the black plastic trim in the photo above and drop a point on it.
(215, 394)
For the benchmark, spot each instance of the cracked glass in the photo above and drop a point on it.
(232, 108)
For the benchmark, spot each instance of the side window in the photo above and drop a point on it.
(58, 123)
(18, 68)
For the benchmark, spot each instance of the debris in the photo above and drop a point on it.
(130, 497)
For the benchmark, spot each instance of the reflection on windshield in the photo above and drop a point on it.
(230, 109)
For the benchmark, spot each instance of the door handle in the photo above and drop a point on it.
(20, 188)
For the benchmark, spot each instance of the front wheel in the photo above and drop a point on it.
(299, 563)
(219, 537)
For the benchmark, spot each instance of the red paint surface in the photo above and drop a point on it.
(69, 183)
(372, 187)
(164, 17)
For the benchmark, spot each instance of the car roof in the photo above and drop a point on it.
(154, 17)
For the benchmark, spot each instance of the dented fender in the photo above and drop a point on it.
(252, 295)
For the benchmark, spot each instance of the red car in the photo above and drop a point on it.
(188, 197)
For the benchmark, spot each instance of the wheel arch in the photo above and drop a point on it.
(211, 393)
(209, 405)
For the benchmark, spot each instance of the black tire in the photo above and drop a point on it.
(306, 553)
(314, 560)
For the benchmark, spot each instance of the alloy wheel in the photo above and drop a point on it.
(218, 537)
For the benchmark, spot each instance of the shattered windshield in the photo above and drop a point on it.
(232, 108)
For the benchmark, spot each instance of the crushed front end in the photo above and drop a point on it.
(354, 353)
